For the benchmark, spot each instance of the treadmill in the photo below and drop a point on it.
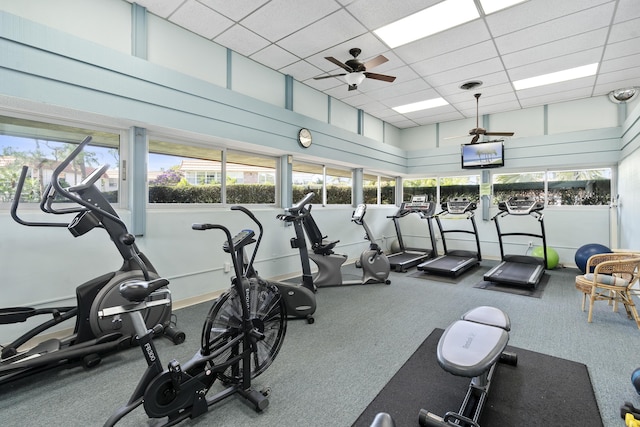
(519, 270)
(407, 258)
(454, 263)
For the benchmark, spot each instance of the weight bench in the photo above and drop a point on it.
(471, 347)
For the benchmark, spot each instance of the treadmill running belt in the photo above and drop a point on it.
(515, 273)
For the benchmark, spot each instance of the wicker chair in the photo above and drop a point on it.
(610, 277)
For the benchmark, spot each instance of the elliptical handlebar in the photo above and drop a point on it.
(250, 214)
(16, 202)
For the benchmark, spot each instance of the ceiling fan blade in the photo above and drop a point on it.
(338, 63)
(499, 133)
(375, 62)
(327, 77)
(379, 77)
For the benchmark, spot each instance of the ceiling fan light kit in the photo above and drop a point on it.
(356, 70)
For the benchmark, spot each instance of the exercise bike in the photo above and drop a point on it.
(241, 337)
(374, 263)
(91, 337)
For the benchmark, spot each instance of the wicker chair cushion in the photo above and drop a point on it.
(605, 279)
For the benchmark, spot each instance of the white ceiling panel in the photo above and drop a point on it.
(531, 38)
(241, 40)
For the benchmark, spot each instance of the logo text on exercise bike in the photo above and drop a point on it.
(150, 353)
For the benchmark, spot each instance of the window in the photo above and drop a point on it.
(334, 182)
(467, 187)
(250, 178)
(180, 173)
(338, 186)
(307, 178)
(419, 187)
(379, 190)
(563, 188)
(42, 146)
(526, 184)
(579, 187)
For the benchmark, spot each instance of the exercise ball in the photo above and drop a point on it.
(395, 246)
(586, 251)
(552, 256)
(635, 380)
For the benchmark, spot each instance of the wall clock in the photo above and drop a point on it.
(304, 137)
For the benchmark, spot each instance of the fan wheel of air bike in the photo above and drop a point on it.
(268, 315)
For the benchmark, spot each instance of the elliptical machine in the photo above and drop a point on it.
(92, 336)
(374, 263)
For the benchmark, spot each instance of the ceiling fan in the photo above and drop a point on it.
(356, 70)
(477, 131)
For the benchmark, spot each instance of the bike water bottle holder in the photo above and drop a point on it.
(83, 223)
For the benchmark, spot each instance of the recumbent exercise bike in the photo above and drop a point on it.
(92, 337)
(241, 337)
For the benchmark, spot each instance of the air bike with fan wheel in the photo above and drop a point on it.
(92, 336)
(241, 337)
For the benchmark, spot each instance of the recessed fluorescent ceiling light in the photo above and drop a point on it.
(558, 76)
(422, 105)
(429, 21)
(490, 6)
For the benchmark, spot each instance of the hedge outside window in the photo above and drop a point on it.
(467, 187)
(579, 187)
(526, 184)
(379, 190)
(307, 178)
(42, 146)
(250, 178)
(419, 187)
(338, 186)
(181, 173)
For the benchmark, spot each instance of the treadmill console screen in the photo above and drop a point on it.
(459, 206)
(521, 206)
(419, 204)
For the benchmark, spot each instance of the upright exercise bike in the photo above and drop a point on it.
(91, 337)
(241, 337)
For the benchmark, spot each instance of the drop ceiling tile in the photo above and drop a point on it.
(200, 19)
(624, 31)
(622, 63)
(274, 57)
(377, 13)
(241, 40)
(588, 20)
(463, 74)
(460, 58)
(556, 98)
(627, 9)
(447, 41)
(280, 18)
(401, 88)
(300, 70)
(556, 48)
(556, 89)
(329, 31)
(621, 49)
(410, 98)
(235, 10)
(535, 12)
(556, 64)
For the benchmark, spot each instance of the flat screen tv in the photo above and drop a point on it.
(482, 155)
